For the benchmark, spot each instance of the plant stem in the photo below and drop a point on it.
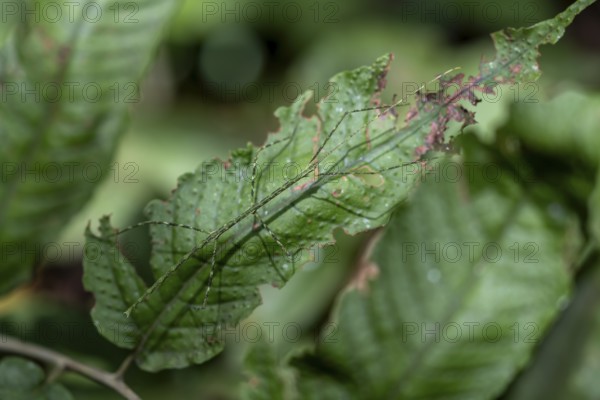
(364, 268)
(120, 372)
(63, 363)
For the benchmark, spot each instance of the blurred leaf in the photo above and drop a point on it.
(21, 379)
(442, 315)
(566, 126)
(67, 87)
(594, 209)
(466, 15)
(583, 381)
(566, 364)
(264, 380)
(10, 17)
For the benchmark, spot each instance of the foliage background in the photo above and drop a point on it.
(189, 114)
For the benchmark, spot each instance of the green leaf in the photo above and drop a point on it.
(594, 210)
(67, 85)
(178, 331)
(583, 380)
(21, 379)
(464, 283)
(116, 285)
(517, 48)
(265, 380)
(574, 341)
(565, 126)
(339, 168)
(10, 17)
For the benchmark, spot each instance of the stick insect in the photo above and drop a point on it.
(323, 152)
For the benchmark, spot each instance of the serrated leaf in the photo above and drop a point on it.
(179, 330)
(517, 48)
(336, 169)
(115, 284)
(67, 84)
(456, 303)
(21, 379)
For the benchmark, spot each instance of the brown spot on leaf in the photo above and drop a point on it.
(381, 79)
(369, 176)
(301, 186)
(366, 272)
(411, 114)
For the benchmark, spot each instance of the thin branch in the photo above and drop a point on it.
(364, 268)
(120, 373)
(63, 363)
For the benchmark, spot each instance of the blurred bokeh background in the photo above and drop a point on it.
(223, 69)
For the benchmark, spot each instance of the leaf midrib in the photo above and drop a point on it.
(47, 122)
(460, 301)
